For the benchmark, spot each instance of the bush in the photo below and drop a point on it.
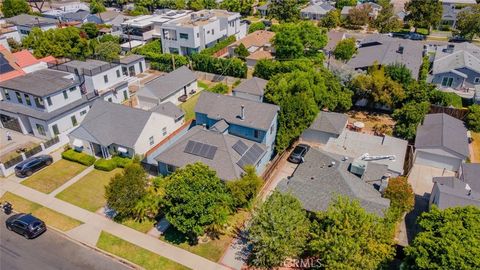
(424, 69)
(105, 164)
(219, 88)
(78, 157)
(122, 162)
(256, 26)
(220, 45)
(473, 118)
(401, 196)
(228, 67)
(164, 62)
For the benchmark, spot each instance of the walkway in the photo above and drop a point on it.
(95, 223)
(71, 181)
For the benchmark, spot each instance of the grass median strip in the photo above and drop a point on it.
(49, 216)
(53, 176)
(89, 192)
(135, 254)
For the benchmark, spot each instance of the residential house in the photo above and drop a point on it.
(8, 31)
(114, 19)
(316, 10)
(81, 16)
(172, 87)
(25, 23)
(251, 120)
(44, 103)
(441, 142)
(19, 63)
(326, 125)
(451, 8)
(105, 79)
(133, 64)
(253, 58)
(110, 129)
(256, 43)
(199, 30)
(385, 50)
(324, 176)
(252, 89)
(456, 67)
(60, 8)
(263, 9)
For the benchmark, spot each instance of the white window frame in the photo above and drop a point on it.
(164, 131)
(151, 140)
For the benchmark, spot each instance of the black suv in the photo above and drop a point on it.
(26, 225)
(298, 153)
(29, 166)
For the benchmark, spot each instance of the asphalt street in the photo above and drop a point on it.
(49, 251)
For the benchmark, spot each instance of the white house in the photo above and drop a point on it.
(200, 30)
(25, 23)
(172, 87)
(44, 103)
(8, 31)
(252, 89)
(112, 128)
(451, 8)
(133, 64)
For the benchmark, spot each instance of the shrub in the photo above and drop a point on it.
(401, 196)
(78, 157)
(220, 45)
(219, 88)
(424, 69)
(229, 67)
(105, 164)
(256, 26)
(164, 62)
(122, 162)
(473, 118)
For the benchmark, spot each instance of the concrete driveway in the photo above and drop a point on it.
(420, 178)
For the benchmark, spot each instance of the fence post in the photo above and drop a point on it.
(43, 146)
(23, 156)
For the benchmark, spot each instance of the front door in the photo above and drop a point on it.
(10, 123)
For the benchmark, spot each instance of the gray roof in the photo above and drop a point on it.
(457, 56)
(77, 16)
(318, 8)
(385, 50)
(330, 122)
(30, 20)
(109, 15)
(89, 67)
(108, 123)
(224, 162)
(257, 114)
(254, 86)
(167, 85)
(471, 175)
(452, 192)
(41, 83)
(131, 58)
(220, 126)
(168, 109)
(316, 182)
(442, 130)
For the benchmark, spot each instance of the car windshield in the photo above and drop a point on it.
(36, 224)
(298, 150)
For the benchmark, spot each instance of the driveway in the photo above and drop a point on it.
(420, 178)
(49, 251)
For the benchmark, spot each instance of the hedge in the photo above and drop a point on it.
(424, 68)
(220, 45)
(78, 157)
(164, 62)
(122, 162)
(228, 67)
(105, 164)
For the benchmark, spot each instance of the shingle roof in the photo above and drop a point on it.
(77, 16)
(460, 56)
(255, 86)
(30, 20)
(330, 122)
(224, 162)
(220, 126)
(442, 130)
(318, 8)
(452, 192)
(257, 115)
(168, 109)
(109, 123)
(258, 38)
(471, 175)
(40, 83)
(165, 86)
(131, 58)
(316, 182)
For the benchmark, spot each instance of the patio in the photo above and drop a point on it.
(19, 141)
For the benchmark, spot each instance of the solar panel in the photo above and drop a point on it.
(4, 65)
(200, 149)
(251, 156)
(240, 147)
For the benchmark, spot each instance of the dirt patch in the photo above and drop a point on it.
(379, 123)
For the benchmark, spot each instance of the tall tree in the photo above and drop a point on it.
(108, 51)
(339, 4)
(450, 239)
(241, 52)
(294, 40)
(279, 231)
(408, 117)
(38, 4)
(245, 189)
(284, 10)
(345, 236)
(358, 16)
(386, 20)
(399, 73)
(331, 19)
(196, 200)
(400, 193)
(96, 6)
(424, 13)
(468, 22)
(12, 8)
(473, 118)
(345, 49)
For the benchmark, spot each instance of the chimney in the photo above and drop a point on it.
(242, 113)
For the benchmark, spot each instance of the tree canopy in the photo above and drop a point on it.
(331, 19)
(401, 196)
(279, 231)
(284, 10)
(245, 189)
(358, 16)
(295, 40)
(12, 8)
(345, 49)
(408, 117)
(473, 118)
(468, 22)
(424, 13)
(386, 20)
(399, 73)
(339, 4)
(96, 6)
(244, 7)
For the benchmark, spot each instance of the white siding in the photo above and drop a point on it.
(437, 161)
(314, 136)
(64, 123)
(118, 96)
(97, 82)
(59, 100)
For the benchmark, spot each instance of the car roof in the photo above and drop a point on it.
(28, 218)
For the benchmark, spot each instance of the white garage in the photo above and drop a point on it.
(325, 126)
(437, 161)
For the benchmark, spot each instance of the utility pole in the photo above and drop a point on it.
(129, 38)
(173, 61)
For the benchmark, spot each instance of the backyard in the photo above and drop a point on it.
(88, 192)
(189, 107)
(372, 120)
(53, 176)
(51, 218)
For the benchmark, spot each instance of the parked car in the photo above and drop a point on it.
(415, 36)
(31, 165)
(298, 153)
(26, 225)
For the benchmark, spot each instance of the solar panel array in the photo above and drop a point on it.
(240, 147)
(251, 156)
(4, 65)
(200, 149)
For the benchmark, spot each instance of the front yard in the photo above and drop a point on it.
(88, 193)
(53, 176)
(51, 218)
(135, 254)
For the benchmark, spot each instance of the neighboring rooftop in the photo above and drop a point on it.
(223, 156)
(168, 109)
(202, 17)
(323, 176)
(451, 57)
(442, 130)
(259, 55)
(254, 86)
(258, 39)
(318, 8)
(30, 20)
(168, 84)
(79, 15)
(89, 67)
(40, 83)
(470, 174)
(256, 114)
(452, 192)
(330, 122)
(131, 58)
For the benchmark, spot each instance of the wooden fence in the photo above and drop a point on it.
(454, 112)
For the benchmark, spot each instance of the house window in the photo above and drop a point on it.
(83, 112)
(124, 71)
(183, 36)
(55, 130)
(118, 73)
(41, 130)
(141, 67)
(477, 80)
(151, 141)
(164, 131)
(19, 97)
(74, 120)
(6, 93)
(65, 94)
(125, 95)
(170, 168)
(271, 129)
(27, 100)
(256, 133)
(447, 81)
(49, 101)
(39, 103)
(105, 78)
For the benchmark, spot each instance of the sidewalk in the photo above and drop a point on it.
(95, 223)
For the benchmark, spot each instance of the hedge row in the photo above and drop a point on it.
(111, 164)
(228, 67)
(78, 157)
(164, 62)
(220, 45)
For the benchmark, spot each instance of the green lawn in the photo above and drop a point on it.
(202, 84)
(189, 107)
(135, 254)
(53, 176)
(141, 226)
(89, 192)
(50, 217)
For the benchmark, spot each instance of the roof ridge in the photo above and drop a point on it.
(229, 154)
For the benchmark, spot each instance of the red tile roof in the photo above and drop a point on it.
(24, 58)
